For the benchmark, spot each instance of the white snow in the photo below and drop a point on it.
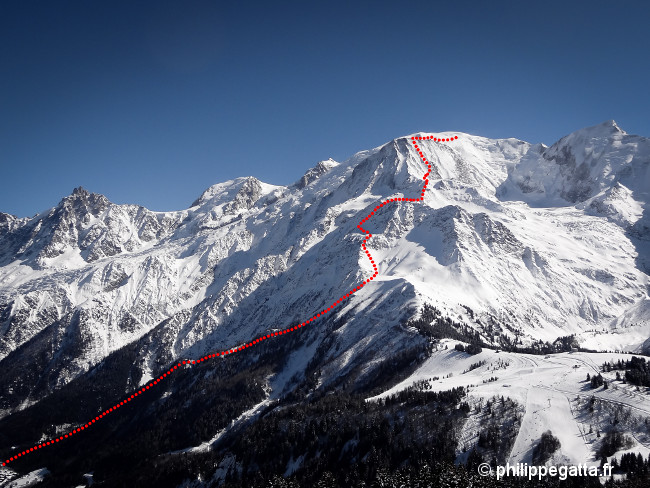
(32, 478)
(552, 389)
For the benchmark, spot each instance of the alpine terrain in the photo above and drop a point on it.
(508, 321)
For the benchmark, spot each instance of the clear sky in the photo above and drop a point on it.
(150, 102)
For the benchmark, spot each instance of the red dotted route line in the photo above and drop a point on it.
(189, 362)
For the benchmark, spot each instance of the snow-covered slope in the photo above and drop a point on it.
(514, 239)
(553, 392)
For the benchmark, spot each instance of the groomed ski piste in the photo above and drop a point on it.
(554, 393)
(190, 362)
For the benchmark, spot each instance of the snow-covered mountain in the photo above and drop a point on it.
(514, 239)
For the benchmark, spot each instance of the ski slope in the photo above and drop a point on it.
(553, 392)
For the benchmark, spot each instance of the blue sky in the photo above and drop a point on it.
(152, 102)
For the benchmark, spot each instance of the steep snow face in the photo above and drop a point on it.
(515, 239)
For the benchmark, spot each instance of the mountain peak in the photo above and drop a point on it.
(583, 164)
(5, 217)
(604, 129)
(594, 136)
(224, 192)
(81, 191)
(81, 201)
(612, 125)
(316, 172)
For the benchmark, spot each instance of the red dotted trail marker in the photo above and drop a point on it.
(190, 362)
